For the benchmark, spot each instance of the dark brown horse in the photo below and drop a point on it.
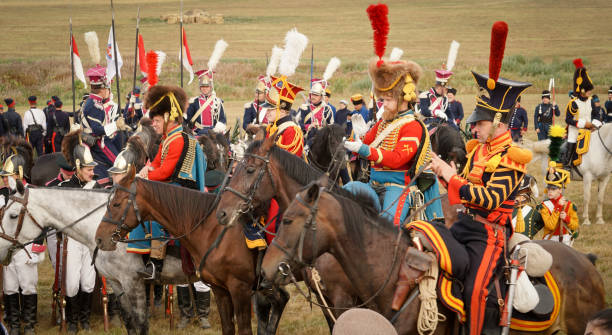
(365, 245)
(269, 172)
(229, 268)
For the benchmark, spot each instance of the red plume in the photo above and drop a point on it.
(578, 63)
(380, 25)
(152, 68)
(499, 32)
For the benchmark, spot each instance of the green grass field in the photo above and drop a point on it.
(544, 37)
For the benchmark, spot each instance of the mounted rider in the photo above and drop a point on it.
(288, 133)
(20, 276)
(179, 161)
(80, 272)
(206, 112)
(487, 187)
(578, 113)
(397, 146)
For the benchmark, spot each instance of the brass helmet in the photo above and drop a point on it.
(125, 159)
(14, 165)
(76, 152)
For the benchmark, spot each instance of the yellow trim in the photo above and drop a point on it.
(447, 295)
(410, 138)
(533, 326)
(259, 243)
(380, 156)
(392, 85)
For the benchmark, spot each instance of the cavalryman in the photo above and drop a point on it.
(166, 105)
(434, 103)
(578, 111)
(132, 113)
(35, 125)
(12, 120)
(58, 125)
(318, 113)
(80, 273)
(206, 112)
(487, 188)
(255, 110)
(21, 274)
(289, 134)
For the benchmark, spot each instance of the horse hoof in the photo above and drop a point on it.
(586, 222)
(600, 221)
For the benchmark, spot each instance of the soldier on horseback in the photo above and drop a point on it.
(289, 135)
(487, 187)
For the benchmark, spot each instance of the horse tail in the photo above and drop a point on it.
(592, 258)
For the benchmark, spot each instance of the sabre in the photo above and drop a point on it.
(136, 48)
(72, 69)
(115, 55)
(181, 43)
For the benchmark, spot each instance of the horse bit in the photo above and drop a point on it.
(116, 236)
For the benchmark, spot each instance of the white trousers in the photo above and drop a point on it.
(22, 273)
(52, 247)
(79, 271)
(199, 286)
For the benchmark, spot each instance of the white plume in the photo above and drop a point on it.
(332, 66)
(274, 61)
(91, 38)
(452, 55)
(396, 54)
(161, 58)
(220, 47)
(295, 44)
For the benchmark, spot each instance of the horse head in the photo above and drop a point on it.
(121, 215)
(252, 184)
(302, 233)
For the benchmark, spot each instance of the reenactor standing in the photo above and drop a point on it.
(58, 125)
(35, 125)
(13, 125)
(544, 114)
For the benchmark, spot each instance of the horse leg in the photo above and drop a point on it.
(586, 183)
(225, 308)
(137, 309)
(262, 310)
(280, 299)
(241, 298)
(600, 199)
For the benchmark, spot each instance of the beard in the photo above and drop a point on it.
(389, 115)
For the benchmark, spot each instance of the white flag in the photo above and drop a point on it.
(110, 57)
(187, 62)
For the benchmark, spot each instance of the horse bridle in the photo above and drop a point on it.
(247, 206)
(16, 245)
(121, 225)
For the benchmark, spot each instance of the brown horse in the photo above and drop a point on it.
(229, 268)
(365, 245)
(270, 172)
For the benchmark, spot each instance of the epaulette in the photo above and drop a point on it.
(471, 145)
(247, 105)
(304, 106)
(191, 100)
(516, 158)
(572, 107)
(424, 95)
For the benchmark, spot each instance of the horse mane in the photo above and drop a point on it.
(210, 150)
(136, 145)
(184, 204)
(151, 143)
(16, 145)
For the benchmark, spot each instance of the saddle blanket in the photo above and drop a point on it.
(255, 235)
(533, 322)
(582, 145)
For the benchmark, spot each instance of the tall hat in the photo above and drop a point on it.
(134, 155)
(556, 174)
(582, 82)
(496, 96)
(206, 76)
(14, 165)
(166, 101)
(97, 74)
(399, 77)
(76, 152)
(444, 74)
(320, 86)
(264, 82)
(295, 44)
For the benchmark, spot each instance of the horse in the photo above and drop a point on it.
(281, 175)
(190, 215)
(596, 165)
(118, 266)
(326, 148)
(367, 247)
(45, 168)
(447, 141)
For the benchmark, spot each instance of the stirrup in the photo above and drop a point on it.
(145, 274)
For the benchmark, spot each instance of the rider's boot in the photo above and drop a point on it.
(29, 308)
(84, 309)
(412, 269)
(569, 155)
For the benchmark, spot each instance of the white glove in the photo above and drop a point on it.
(110, 129)
(596, 123)
(359, 126)
(74, 127)
(33, 259)
(219, 128)
(441, 114)
(353, 146)
(132, 99)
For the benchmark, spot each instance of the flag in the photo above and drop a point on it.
(187, 62)
(78, 66)
(142, 59)
(110, 57)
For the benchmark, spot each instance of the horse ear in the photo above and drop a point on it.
(312, 193)
(323, 181)
(129, 178)
(20, 187)
(269, 141)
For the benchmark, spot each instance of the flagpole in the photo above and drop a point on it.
(72, 70)
(115, 55)
(136, 48)
(311, 62)
(181, 44)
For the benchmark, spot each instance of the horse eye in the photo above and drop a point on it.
(14, 216)
(116, 204)
(287, 221)
(250, 169)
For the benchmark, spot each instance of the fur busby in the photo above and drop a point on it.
(391, 77)
(159, 101)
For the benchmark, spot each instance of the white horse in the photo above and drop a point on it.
(596, 165)
(58, 208)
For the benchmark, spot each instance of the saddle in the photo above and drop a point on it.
(582, 145)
